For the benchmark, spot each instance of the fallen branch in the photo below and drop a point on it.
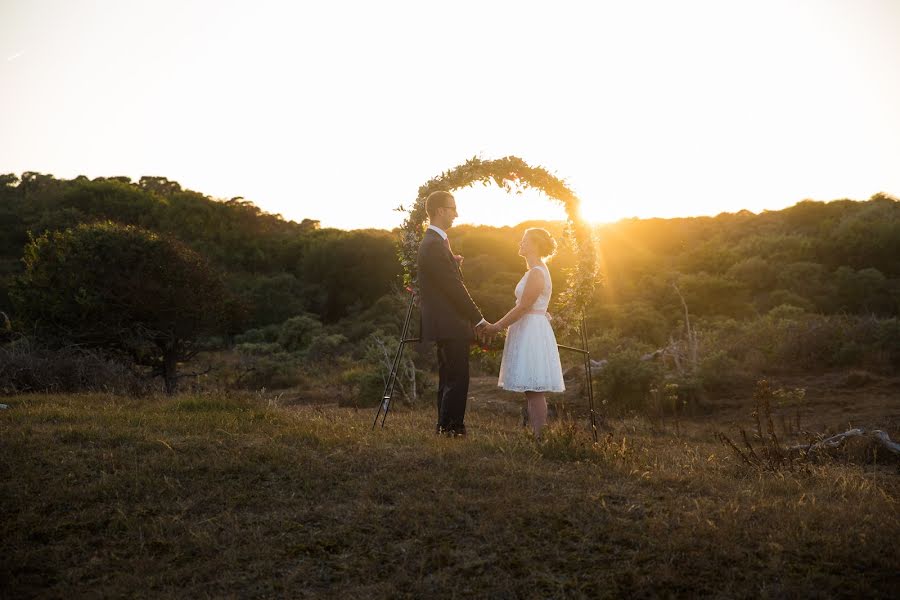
(836, 441)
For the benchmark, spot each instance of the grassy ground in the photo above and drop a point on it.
(212, 496)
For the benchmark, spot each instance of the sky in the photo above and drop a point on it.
(338, 111)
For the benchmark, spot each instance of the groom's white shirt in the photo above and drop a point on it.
(443, 234)
(440, 231)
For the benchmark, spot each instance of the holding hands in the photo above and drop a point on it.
(490, 330)
(486, 332)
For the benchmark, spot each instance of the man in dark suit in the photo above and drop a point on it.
(450, 317)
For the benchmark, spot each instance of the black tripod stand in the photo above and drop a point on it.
(385, 404)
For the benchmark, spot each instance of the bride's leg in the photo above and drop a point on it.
(537, 411)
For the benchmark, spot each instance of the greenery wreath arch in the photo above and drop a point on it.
(513, 175)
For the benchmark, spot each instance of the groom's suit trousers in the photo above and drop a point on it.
(453, 386)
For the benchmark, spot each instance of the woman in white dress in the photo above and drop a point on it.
(530, 361)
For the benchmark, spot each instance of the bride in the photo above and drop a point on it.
(530, 361)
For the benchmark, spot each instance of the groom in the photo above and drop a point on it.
(449, 315)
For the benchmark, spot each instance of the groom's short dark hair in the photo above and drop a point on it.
(436, 200)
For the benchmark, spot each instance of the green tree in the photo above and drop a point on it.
(754, 272)
(124, 289)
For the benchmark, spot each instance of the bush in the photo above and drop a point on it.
(271, 371)
(790, 340)
(644, 323)
(325, 346)
(214, 342)
(366, 383)
(298, 332)
(626, 381)
(261, 349)
(269, 333)
(779, 298)
(486, 361)
(26, 368)
(717, 371)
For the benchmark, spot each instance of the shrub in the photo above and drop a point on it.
(719, 372)
(269, 333)
(644, 323)
(261, 349)
(325, 346)
(272, 371)
(298, 332)
(486, 361)
(25, 368)
(778, 298)
(626, 381)
(366, 385)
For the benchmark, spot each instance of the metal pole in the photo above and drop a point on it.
(392, 377)
(590, 375)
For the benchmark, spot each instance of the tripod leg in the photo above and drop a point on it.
(389, 387)
(392, 376)
(390, 392)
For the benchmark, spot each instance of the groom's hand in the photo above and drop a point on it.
(458, 258)
(486, 333)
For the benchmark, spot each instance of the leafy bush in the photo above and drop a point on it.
(297, 332)
(719, 372)
(274, 371)
(269, 333)
(26, 368)
(626, 381)
(790, 340)
(261, 349)
(325, 346)
(366, 383)
(485, 361)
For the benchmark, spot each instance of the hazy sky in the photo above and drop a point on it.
(339, 111)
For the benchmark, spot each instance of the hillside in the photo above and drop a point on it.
(810, 288)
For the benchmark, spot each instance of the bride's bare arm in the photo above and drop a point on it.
(534, 285)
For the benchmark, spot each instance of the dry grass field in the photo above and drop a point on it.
(272, 496)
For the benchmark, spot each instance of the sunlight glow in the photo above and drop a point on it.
(340, 111)
(480, 205)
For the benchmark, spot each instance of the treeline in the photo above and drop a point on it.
(757, 288)
(836, 257)
(277, 268)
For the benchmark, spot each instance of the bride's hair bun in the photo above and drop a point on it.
(545, 243)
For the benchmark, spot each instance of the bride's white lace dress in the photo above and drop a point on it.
(530, 356)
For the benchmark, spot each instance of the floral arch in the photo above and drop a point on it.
(513, 175)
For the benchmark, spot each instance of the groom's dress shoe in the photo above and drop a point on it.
(453, 431)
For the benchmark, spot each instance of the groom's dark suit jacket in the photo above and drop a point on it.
(446, 308)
